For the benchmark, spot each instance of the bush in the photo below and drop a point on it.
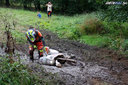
(92, 26)
(72, 34)
(112, 27)
(125, 30)
(116, 13)
(116, 29)
(14, 74)
(18, 74)
(125, 45)
(115, 43)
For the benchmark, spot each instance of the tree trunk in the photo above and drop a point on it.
(0, 1)
(38, 6)
(7, 3)
(25, 4)
(64, 5)
(10, 43)
(35, 6)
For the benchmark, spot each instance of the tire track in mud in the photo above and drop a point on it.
(71, 75)
(90, 69)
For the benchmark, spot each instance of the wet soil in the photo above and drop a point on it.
(95, 66)
(113, 63)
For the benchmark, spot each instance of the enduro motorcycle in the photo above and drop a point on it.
(54, 58)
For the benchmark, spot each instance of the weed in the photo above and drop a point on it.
(92, 26)
(19, 74)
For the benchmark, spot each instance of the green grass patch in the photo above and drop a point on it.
(95, 40)
(88, 28)
(64, 26)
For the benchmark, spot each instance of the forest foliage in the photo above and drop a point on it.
(68, 6)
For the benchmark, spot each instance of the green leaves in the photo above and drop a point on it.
(13, 74)
(116, 13)
(18, 74)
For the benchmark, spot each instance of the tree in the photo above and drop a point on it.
(7, 3)
(7, 22)
(37, 4)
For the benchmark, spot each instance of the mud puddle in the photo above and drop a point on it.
(80, 74)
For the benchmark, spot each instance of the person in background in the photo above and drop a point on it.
(35, 39)
(39, 15)
(49, 9)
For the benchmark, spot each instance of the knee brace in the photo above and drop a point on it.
(40, 52)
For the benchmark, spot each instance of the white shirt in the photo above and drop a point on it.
(49, 7)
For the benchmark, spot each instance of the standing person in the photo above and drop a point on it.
(49, 9)
(35, 39)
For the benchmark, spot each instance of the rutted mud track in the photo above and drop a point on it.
(95, 66)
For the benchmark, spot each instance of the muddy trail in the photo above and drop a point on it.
(95, 66)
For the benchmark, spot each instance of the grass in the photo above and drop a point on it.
(95, 40)
(64, 26)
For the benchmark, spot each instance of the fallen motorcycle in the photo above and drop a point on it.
(53, 57)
